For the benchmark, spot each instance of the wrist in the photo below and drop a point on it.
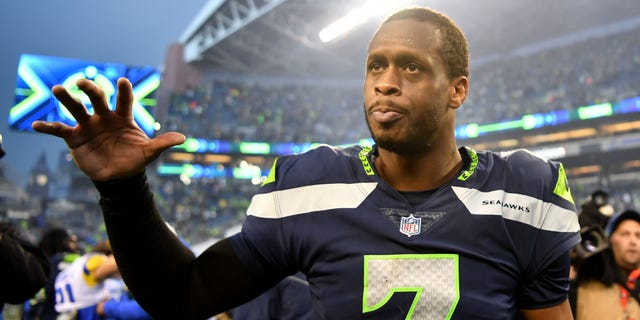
(124, 195)
(122, 188)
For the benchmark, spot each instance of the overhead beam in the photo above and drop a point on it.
(221, 21)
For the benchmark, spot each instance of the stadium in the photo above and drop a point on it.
(251, 80)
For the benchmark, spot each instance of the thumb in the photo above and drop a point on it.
(166, 141)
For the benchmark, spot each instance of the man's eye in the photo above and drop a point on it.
(412, 67)
(375, 66)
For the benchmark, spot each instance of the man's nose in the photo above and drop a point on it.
(388, 83)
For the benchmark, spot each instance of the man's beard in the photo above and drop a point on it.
(412, 144)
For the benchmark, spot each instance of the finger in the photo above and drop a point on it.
(57, 129)
(165, 141)
(75, 106)
(96, 95)
(124, 104)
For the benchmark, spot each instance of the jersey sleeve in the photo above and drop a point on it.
(548, 288)
(543, 244)
(88, 272)
(260, 245)
(268, 242)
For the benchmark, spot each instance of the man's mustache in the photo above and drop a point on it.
(387, 103)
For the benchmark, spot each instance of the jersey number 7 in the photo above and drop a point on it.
(425, 285)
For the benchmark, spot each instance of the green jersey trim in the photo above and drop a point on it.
(368, 169)
(562, 185)
(272, 174)
(473, 155)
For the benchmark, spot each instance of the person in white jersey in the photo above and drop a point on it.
(80, 286)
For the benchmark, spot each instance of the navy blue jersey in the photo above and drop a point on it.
(481, 246)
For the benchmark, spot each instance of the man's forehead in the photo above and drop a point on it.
(627, 225)
(630, 222)
(407, 32)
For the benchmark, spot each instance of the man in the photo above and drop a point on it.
(413, 228)
(61, 248)
(607, 282)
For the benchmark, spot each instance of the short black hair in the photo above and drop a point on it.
(55, 240)
(454, 47)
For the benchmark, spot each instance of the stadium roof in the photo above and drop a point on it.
(280, 37)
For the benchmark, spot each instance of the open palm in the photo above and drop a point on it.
(108, 144)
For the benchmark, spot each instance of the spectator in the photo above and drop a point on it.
(124, 307)
(608, 285)
(23, 267)
(61, 248)
(80, 286)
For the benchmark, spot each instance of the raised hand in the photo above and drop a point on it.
(108, 144)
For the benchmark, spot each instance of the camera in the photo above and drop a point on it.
(593, 242)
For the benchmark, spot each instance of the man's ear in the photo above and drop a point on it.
(458, 92)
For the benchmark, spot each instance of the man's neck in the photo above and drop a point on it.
(420, 172)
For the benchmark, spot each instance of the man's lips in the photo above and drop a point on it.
(633, 251)
(387, 116)
(386, 111)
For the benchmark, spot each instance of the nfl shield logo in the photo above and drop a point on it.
(410, 225)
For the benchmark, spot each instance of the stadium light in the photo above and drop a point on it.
(357, 17)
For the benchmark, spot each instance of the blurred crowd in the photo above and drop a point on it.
(205, 208)
(585, 73)
(257, 112)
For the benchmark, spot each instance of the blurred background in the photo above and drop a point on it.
(249, 80)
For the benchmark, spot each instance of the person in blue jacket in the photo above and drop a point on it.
(125, 308)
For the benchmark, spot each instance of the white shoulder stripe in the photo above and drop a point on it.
(284, 203)
(518, 207)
